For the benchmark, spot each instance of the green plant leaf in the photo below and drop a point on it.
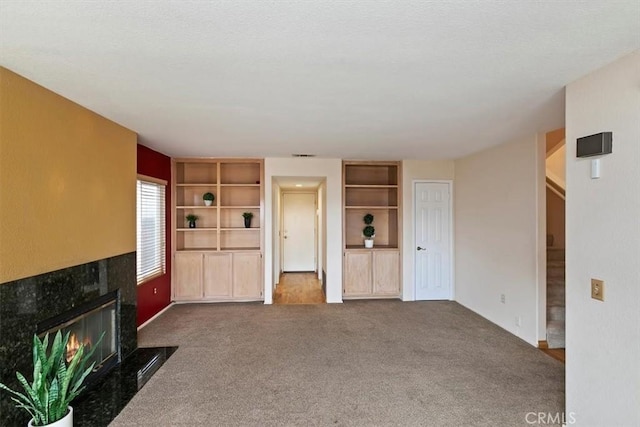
(53, 404)
(18, 396)
(78, 382)
(31, 394)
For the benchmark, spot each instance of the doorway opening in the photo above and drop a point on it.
(555, 192)
(299, 230)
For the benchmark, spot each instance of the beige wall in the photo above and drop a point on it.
(413, 170)
(67, 182)
(603, 242)
(497, 234)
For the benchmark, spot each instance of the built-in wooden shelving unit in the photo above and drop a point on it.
(220, 240)
(372, 187)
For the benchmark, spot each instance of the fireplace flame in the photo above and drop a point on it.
(74, 344)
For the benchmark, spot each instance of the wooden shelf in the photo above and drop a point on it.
(370, 207)
(369, 186)
(199, 250)
(375, 247)
(236, 186)
(197, 229)
(240, 249)
(240, 229)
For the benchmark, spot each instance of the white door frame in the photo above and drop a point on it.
(315, 225)
(452, 295)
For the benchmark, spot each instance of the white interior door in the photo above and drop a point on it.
(298, 232)
(433, 240)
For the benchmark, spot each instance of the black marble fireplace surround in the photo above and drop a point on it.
(26, 302)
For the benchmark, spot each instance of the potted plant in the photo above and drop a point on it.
(368, 231)
(247, 219)
(191, 219)
(56, 382)
(208, 198)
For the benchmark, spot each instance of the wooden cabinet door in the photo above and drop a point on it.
(188, 274)
(357, 273)
(386, 272)
(217, 275)
(247, 277)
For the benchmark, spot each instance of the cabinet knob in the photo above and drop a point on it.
(421, 249)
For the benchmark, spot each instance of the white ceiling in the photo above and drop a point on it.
(346, 79)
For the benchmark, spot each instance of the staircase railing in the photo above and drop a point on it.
(556, 188)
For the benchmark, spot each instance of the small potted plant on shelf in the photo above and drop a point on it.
(368, 231)
(191, 219)
(56, 382)
(208, 198)
(247, 219)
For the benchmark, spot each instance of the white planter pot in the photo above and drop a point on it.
(208, 202)
(67, 421)
(368, 243)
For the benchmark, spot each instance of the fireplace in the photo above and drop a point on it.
(85, 324)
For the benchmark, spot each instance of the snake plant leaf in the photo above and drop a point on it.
(33, 396)
(53, 404)
(19, 397)
(78, 382)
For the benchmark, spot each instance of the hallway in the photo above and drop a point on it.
(299, 288)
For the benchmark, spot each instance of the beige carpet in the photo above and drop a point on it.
(361, 363)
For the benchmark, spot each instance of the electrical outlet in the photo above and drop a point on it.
(502, 298)
(597, 289)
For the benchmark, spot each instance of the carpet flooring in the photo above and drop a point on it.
(361, 363)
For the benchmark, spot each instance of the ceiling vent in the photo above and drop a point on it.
(303, 155)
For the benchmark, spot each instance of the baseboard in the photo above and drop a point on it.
(156, 316)
(543, 345)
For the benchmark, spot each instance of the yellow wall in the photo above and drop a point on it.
(67, 182)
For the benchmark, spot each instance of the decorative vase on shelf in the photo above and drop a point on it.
(191, 219)
(369, 232)
(208, 199)
(247, 219)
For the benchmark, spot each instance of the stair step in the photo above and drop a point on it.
(555, 273)
(556, 282)
(556, 312)
(556, 300)
(555, 254)
(556, 264)
(556, 334)
(556, 291)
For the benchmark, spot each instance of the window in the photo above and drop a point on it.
(151, 232)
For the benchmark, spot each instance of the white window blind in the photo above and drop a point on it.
(151, 247)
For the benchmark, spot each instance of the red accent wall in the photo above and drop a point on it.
(155, 294)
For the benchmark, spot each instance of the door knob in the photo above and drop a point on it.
(421, 249)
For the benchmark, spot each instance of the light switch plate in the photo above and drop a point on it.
(597, 289)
